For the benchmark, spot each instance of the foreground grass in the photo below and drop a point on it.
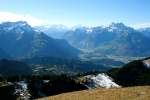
(130, 93)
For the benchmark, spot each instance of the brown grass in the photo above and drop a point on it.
(130, 93)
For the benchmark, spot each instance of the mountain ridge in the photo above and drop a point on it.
(116, 39)
(21, 40)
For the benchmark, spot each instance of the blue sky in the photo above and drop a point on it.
(81, 12)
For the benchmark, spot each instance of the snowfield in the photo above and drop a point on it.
(101, 80)
(21, 90)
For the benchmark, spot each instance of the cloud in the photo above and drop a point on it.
(13, 17)
(142, 25)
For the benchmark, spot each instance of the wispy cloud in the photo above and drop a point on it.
(13, 17)
(142, 25)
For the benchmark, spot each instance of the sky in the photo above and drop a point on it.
(77, 12)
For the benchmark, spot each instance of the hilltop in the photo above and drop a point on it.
(129, 93)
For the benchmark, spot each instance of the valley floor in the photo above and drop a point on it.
(130, 93)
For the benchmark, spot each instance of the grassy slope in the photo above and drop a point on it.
(130, 93)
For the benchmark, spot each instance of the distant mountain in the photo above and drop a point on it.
(135, 73)
(73, 36)
(116, 39)
(145, 31)
(13, 68)
(54, 31)
(20, 40)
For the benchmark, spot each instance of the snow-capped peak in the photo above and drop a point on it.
(118, 27)
(89, 30)
(19, 26)
(12, 25)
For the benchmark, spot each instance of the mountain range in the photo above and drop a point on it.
(20, 40)
(115, 39)
(54, 31)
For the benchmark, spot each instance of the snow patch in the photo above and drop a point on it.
(111, 29)
(101, 80)
(89, 30)
(21, 90)
(147, 63)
